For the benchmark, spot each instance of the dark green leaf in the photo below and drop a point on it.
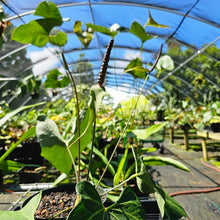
(128, 206)
(90, 206)
(169, 207)
(139, 31)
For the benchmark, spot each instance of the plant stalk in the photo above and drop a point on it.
(91, 152)
(78, 118)
(133, 111)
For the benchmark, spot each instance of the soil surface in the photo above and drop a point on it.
(55, 202)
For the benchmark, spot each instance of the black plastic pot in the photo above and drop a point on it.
(28, 153)
(215, 127)
(70, 188)
(29, 174)
(150, 206)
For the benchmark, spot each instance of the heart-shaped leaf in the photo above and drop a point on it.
(48, 9)
(37, 32)
(136, 69)
(91, 207)
(139, 31)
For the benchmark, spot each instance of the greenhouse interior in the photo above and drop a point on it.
(109, 109)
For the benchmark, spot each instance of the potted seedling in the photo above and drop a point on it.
(65, 154)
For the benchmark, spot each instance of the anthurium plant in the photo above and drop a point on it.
(65, 153)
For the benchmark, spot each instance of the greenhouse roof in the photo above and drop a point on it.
(192, 25)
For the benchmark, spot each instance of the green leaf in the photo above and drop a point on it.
(139, 31)
(169, 207)
(88, 116)
(90, 207)
(86, 36)
(58, 157)
(165, 62)
(59, 179)
(77, 28)
(32, 33)
(103, 158)
(102, 29)
(30, 133)
(136, 69)
(26, 213)
(143, 134)
(37, 31)
(152, 22)
(53, 146)
(59, 39)
(144, 180)
(53, 82)
(121, 166)
(16, 111)
(48, 9)
(128, 206)
(48, 133)
(9, 166)
(163, 161)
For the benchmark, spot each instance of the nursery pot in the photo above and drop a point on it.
(28, 153)
(65, 194)
(53, 199)
(29, 174)
(215, 127)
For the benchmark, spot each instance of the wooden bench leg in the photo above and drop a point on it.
(171, 135)
(186, 140)
(204, 149)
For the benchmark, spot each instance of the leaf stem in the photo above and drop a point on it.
(78, 117)
(91, 152)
